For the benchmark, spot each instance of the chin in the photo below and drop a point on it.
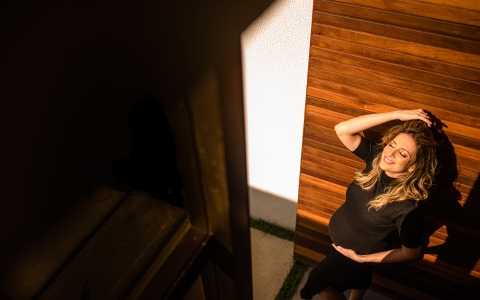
(383, 167)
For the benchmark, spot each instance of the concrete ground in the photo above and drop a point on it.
(272, 259)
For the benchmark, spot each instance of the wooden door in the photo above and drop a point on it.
(125, 241)
(377, 56)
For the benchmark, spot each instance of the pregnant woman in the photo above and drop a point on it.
(383, 198)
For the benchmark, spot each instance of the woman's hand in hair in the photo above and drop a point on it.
(349, 131)
(414, 114)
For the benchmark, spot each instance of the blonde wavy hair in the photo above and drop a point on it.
(414, 185)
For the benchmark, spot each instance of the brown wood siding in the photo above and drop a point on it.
(370, 56)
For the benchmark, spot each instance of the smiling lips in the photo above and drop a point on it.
(388, 161)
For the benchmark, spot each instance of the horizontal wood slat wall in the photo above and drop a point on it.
(370, 56)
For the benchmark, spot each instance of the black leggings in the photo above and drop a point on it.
(339, 272)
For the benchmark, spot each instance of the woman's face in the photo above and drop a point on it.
(397, 155)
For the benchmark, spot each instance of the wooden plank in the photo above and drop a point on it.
(321, 196)
(320, 245)
(320, 142)
(401, 93)
(429, 263)
(469, 148)
(367, 74)
(313, 235)
(380, 54)
(335, 107)
(457, 223)
(324, 170)
(428, 10)
(400, 289)
(310, 192)
(456, 260)
(347, 95)
(438, 229)
(469, 182)
(46, 255)
(325, 185)
(319, 121)
(325, 178)
(399, 20)
(332, 116)
(312, 222)
(452, 267)
(468, 4)
(329, 144)
(469, 165)
(326, 144)
(468, 126)
(332, 152)
(313, 219)
(309, 126)
(399, 33)
(408, 287)
(397, 45)
(318, 210)
(314, 196)
(445, 182)
(397, 70)
(355, 163)
(306, 252)
(311, 188)
(318, 91)
(458, 216)
(120, 250)
(330, 165)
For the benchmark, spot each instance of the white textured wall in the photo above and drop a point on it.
(275, 63)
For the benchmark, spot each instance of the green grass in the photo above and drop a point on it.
(290, 284)
(273, 229)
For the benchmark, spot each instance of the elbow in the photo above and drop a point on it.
(412, 254)
(415, 256)
(338, 128)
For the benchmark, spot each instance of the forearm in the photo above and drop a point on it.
(390, 256)
(358, 124)
(348, 131)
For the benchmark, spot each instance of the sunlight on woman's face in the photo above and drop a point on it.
(397, 155)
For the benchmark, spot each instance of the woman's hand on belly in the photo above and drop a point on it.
(394, 255)
(352, 254)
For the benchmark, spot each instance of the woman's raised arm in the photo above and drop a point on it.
(349, 131)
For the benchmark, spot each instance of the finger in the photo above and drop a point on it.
(423, 115)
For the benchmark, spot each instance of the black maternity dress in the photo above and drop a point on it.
(354, 226)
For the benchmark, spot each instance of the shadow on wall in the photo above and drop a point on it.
(272, 208)
(451, 243)
(151, 165)
(461, 250)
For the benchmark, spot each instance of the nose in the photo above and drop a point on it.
(391, 153)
